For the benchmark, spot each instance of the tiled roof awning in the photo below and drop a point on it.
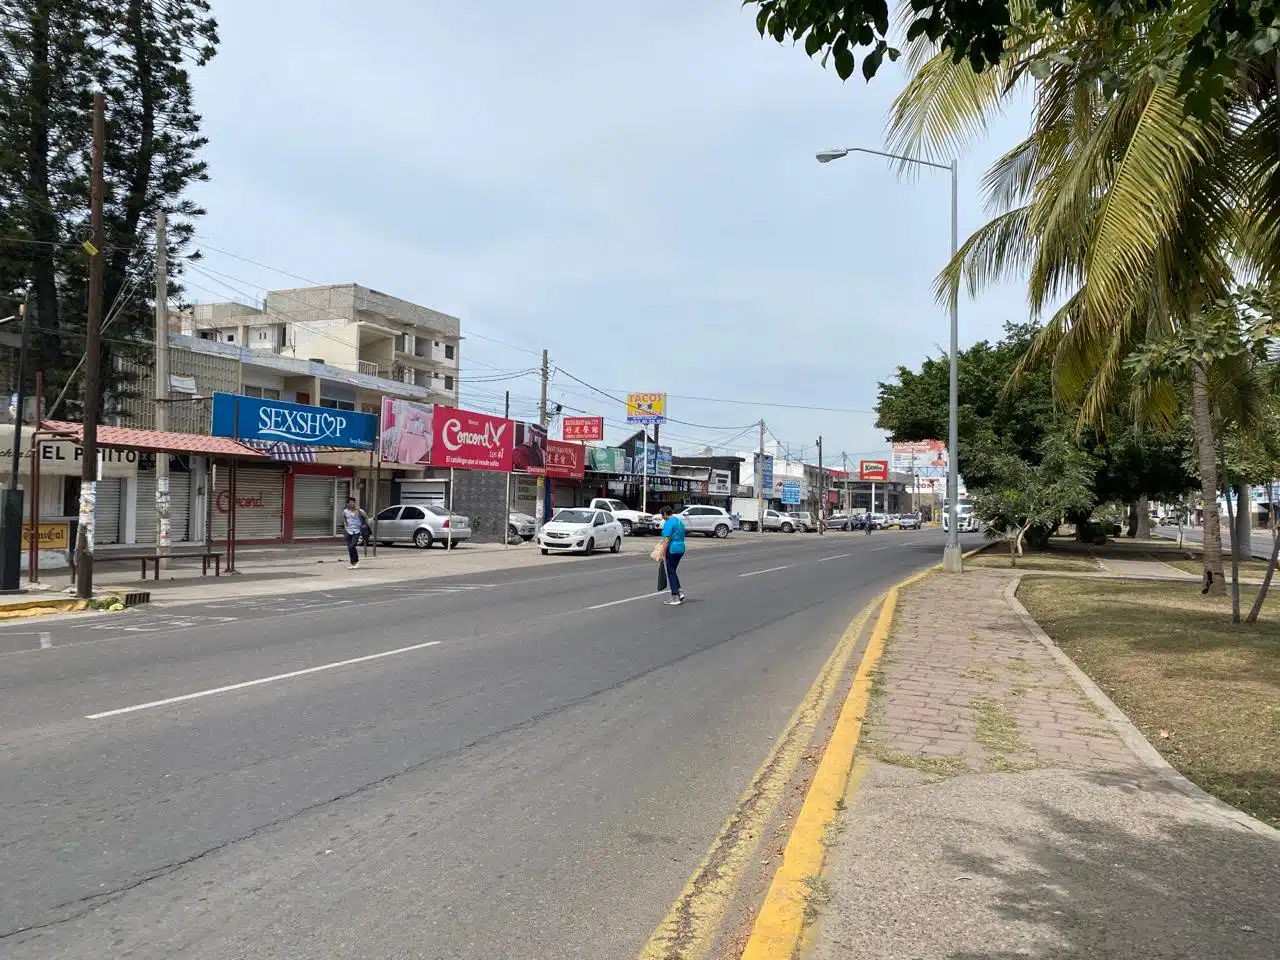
(156, 441)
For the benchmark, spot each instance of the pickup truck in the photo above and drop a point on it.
(633, 521)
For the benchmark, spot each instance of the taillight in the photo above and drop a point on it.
(446, 524)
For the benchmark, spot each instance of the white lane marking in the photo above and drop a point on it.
(878, 549)
(614, 603)
(46, 641)
(261, 680)
(838, 556)
(756, 573)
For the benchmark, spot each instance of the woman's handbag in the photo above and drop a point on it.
(657, 553)
(662, 574)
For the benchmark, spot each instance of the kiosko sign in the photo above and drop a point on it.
(471, 441)
(876, 471)
(251, 418)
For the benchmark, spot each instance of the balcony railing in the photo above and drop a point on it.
(368, 367)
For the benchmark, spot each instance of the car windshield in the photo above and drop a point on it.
(575, 516)
(438, 511)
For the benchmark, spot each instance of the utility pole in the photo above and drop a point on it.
(11, 518)
(540, 514)
(822, 489)
(92, 365)
(506, 520)
(760, 483)
(848, 504)
(162, 387)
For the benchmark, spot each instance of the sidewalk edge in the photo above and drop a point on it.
(780, 924)
(1151, 758)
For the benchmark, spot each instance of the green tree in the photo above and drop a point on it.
(52, 54)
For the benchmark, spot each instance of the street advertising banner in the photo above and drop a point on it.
(876, 471)
(721, 483)
(471, 441)
(607, 459)
(646, 407)
(406, 431)
(530, 455)
(924, 458)
(766, 476)
(791, 492)
(658, 460)
(253, 418)
(584, 428)
(565, 460)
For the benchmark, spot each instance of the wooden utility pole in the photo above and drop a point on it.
(92, 364)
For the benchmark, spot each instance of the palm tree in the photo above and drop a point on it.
(1128, 212)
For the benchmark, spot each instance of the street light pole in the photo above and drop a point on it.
(11, 518)
(951, 556)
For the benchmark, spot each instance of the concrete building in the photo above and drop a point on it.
(346, 326)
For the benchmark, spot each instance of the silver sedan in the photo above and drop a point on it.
(421, 524)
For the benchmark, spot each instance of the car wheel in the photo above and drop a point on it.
(788, 528)
(617, 545)
(422, 539)
(722, 530)
(512, 532)
(591, 546)
(450, 544)
(545, 551)
(626, 528)
(384, 543)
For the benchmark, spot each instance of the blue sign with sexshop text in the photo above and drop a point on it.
(252, 418)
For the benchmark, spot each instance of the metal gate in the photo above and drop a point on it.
(260, 503)
(179, 508)
(106, 519)
(315, 509)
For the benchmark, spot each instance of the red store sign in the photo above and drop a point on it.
(565, 460)
(471, 441)
(584, 428)
(874, 470)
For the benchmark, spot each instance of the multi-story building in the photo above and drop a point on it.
(346, 326)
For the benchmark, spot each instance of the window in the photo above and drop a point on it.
(413, 513)
(264, 393)
(231, 338)
(282, 335)
(599, 521)
(448, 351)
(448, 382)
(208, 335)
(262, 335)
(400, 343)
(438, 511)
(337, 404)
(388, 514)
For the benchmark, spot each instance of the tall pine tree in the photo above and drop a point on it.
(140, 54)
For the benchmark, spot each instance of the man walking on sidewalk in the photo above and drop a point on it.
(353, 522)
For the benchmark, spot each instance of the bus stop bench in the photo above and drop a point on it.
(154, 560)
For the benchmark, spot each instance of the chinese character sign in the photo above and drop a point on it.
(584, 428)
(565, 459)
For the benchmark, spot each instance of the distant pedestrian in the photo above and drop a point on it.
(354, 520)
(672, 553)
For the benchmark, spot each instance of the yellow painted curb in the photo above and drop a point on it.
(691, 925)
(38, 608)
(780, 923)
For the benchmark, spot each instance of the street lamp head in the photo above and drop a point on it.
(826, 156)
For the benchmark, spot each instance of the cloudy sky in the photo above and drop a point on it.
(631, 186)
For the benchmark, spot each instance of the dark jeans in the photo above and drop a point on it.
(352, 540)
(673, 581)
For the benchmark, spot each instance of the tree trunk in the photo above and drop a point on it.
(1266, 580)
(1202, 421)
(1235, 561)
(40, 216)
(1242, 525)
(1131, 530)
(1013, 552)
(1144, 518)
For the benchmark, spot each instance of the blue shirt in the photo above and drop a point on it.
(673, 529)
(353, 521)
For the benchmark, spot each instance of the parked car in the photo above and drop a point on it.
(778, 520)
(839, 521)
(633, 521)
(910, 521)
(521, 525)
(805, 521)
(581, 530)
(421, 524)
(708, 521)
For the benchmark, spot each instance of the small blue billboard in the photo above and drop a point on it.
(253, 418)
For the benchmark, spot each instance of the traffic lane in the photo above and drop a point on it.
(1260, 541)
(133, 796)
(148, 655)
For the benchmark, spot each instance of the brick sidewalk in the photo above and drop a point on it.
(997, 813)
(963, 686)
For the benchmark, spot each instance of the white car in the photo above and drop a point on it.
(708, 521)
(581, 530)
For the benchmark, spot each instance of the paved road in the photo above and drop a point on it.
(1261, 544)
(521, 764)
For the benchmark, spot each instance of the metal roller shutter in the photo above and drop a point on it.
(313, 506)
(179, 508)
(260, 514)
(106, 520)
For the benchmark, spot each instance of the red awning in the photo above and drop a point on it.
(157, 441)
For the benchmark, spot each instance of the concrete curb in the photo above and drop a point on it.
(1151, 758)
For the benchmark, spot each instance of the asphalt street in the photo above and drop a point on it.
(1261, 540)
(528, 763)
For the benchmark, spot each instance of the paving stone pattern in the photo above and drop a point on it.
(963, 685)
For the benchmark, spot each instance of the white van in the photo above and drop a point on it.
(965, 519)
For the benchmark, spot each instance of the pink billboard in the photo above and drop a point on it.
(406, 431)
(471, 441)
